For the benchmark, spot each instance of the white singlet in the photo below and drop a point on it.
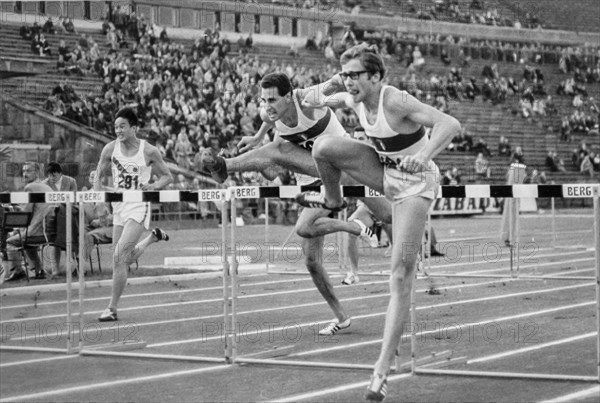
(130, 173)
(391, 147)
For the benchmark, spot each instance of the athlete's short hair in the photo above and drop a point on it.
(128, 114)
(279, 81)
(369, 57)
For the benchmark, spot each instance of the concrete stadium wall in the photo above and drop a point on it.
(194, 14)
(38, 136)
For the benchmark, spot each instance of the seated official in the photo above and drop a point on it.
(35, 231)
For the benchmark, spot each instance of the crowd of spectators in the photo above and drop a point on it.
(198, 97)
(466, 12)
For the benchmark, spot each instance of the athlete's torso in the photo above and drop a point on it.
(130, 173)
(389, 144)
(307, 130)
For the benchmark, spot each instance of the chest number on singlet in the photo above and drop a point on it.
(385, 160)
(128, 181)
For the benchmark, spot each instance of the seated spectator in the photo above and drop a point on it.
(311, 43)
(539, 107)
(107, 26)
(551, 109)
(249, 41)
(60, 63)
(63, 50)
(164, 37)
(482, 147)
(488, 72)
(595, 159)
(293, 50)
(330, 53)
(69, 26)
(504, 147)
(451, 177)
(463, 60)
(35, 231)
(587, 167)
(418, 59)
(183, 149)
(553, 163)
(36, 45)
(75, 113)
(525, 107)
(55, 105)
(48, 27)
(112, 40)
(565, 130)
(25, 32)
(535, 177)
(518, 155)
(83, 42)
(482, 167)
(44, 46)
(445, 58)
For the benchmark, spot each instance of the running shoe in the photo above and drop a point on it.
(108, 315)
(317, 200)
(377, 388)
(350, 279)
(333, 327)
(16, 275)
(215, 164)
(40, 275)
(160, 234)
(367, 234)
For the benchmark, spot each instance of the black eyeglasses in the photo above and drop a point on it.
(354, 75)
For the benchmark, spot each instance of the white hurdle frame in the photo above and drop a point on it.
(413, 366)
(230, 284)
(121, 349)
(52, 197)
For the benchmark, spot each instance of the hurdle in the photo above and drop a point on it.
(519, 191)
(68, 198)
(230, 267)
(122, 349)
(475, 191)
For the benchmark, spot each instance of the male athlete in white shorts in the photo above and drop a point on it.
(298, 126)
(132, 162)
(398, 163)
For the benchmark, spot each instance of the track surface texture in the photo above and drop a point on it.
(502, 323)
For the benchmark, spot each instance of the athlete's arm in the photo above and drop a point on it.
(329, 87)
(159, 168)
(339, 100)
(399, 105)
(249, 142)
(103, 166)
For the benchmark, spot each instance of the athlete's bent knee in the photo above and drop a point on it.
(324, 147)
(305, 231)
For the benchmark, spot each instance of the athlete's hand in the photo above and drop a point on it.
(414, 163)
(313, 100)
(149, 186)
(247, 143)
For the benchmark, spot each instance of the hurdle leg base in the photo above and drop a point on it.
(120, 346)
